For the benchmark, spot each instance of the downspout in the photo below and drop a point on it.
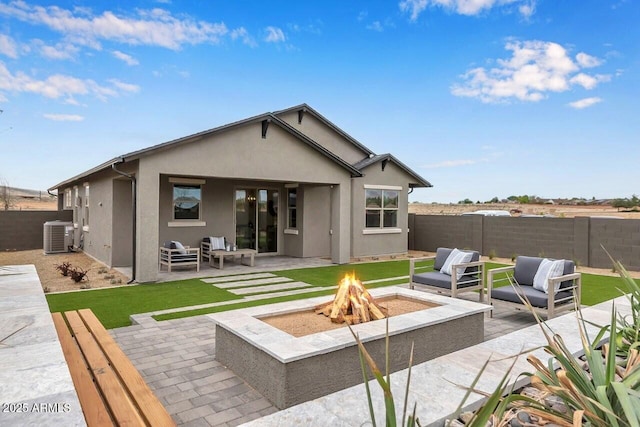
(134, 208)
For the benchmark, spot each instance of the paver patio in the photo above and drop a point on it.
(177, 359)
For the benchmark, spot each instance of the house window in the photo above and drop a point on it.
(67, 199)
(292, 208)
(187, 201)
(86, 205)
(381, 208)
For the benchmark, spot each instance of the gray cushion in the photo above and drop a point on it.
(526, 267)
(177, 258)
(569, 268)
(441, 280)
(536, 298)
(441, 257)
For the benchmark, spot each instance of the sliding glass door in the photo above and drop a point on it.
(257, 219)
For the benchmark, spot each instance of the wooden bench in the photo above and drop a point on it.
(110, 389)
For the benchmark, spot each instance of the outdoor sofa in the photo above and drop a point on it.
(522, 274)
(466, 276)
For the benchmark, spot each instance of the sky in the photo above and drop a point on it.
(483, 98)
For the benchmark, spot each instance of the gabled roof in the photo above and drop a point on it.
(307, 109)
(364, 163)
(268, 118)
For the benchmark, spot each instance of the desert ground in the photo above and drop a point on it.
(98, 275)
(564, 211)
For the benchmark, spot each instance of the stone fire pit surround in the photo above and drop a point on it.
(289, 370)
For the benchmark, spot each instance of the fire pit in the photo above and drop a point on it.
(289, 369)
(352, 304)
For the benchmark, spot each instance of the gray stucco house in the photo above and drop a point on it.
(288, 182)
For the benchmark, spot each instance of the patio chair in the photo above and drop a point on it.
(209, 244)
(464, 273)
(562, 291)
(174, 254)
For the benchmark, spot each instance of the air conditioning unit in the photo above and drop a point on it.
(58, 236)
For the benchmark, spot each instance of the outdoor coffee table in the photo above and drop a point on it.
(220, 254)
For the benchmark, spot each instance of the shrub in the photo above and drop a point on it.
(78, 274)
(64, 268)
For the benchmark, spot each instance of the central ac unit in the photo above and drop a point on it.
(58, 236)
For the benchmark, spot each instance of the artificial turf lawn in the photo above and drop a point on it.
(114, 306)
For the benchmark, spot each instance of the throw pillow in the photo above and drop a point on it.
(181, 249)
(456, 257)
(220, 243)
(546, 271)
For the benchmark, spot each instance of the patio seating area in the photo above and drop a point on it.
(177, 358)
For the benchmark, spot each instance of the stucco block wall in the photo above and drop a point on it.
(578, 239)
(549, 237)
(621, 238)
(23, 230)
(436, 231)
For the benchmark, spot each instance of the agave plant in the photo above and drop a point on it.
(604, 394)
(385, 383)
(602, 390)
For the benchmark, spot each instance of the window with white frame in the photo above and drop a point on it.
(67, 199)
(292, 208)
(86, 205)
(381, 208)
(187, 201)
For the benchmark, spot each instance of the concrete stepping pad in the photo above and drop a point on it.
(269, 288)
(238, 277)
(285, 293)
(255, 282)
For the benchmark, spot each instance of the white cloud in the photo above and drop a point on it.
(155, 27)
(528, 9)
(8, 46)
(127, 59)
(535, 69)
(64, 117)
(242, 34)
(584, 103)
(274, 35)
(465, 7)
(587, 61)
(125, 87)
(60, 51)
(59, 86)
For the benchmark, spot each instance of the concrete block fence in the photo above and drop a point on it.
(579, 238)
(23, 230)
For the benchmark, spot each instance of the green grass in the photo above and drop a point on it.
(330, 276)
(114, 306)
(245, 304)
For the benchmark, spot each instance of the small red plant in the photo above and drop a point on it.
(64, 268)
(78, 274)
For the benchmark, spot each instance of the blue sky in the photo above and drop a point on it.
(483, 98)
